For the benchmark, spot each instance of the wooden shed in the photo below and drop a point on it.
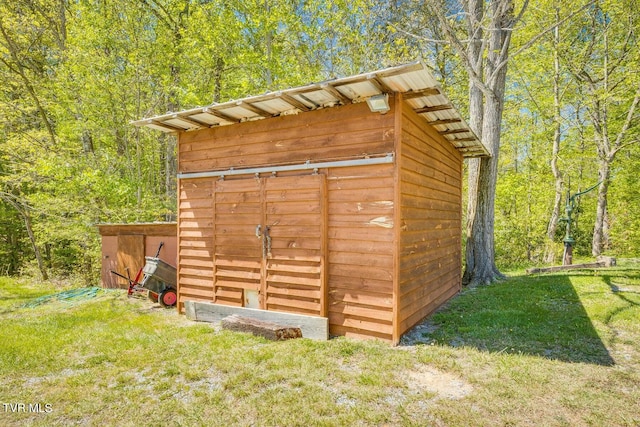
(124, 246)
(339, 200)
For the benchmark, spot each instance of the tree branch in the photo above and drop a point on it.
(617, 146)
(460, 48)
(166, 19)
(530, 43)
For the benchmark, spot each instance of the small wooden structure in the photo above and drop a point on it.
(305, 201)
(125, 246)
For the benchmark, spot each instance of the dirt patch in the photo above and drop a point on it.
(442, 384)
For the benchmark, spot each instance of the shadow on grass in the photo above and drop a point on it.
(627, 296)
(541, 316)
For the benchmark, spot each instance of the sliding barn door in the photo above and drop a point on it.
(237, 255)
(270, 244)
(294, 273)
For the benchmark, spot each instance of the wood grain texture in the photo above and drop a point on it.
(360, 247)
(195, 249)
(431, 224)
(130, 257)
(372, 248)
(330, 134)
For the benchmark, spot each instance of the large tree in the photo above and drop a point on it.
(480, 32)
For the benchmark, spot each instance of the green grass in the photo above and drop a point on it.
(551, 350)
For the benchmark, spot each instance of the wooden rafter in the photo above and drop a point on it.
(254, 109)
(431, 91)
(379, 84)
(444, 122)
(293, 102)
(453, 131)
(336, 93)
(170, 128)
(315, 104)
(192, 121)
(471, 150)
(434, 108)
(462, 140)
(220, 115)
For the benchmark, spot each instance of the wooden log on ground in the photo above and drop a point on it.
(312, 327)
(269, 330)
(609, 261)
(565, 267)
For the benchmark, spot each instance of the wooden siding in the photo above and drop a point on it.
(237, 250)
(294, 275)
(287, 268)
(430, 173)
(195, 241)
(333, 133)
(379, 253)
(357, 266)
(361, 246)
(130, 257)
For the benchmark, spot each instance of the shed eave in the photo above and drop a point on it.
(420, 89)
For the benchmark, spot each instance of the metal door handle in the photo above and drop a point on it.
(258, 233)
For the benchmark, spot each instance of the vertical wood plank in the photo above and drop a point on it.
(179, 303)
(130, 255)
(324, 288)
(213, 238)
(397, 216)
(262, 299)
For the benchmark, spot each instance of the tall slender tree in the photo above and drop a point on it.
(606, 73)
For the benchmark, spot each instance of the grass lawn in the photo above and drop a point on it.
(547, 350)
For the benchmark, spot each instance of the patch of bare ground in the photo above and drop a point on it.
(442, 384)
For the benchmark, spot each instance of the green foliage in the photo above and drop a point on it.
(623, 204)
(526, 182)
(74, 74)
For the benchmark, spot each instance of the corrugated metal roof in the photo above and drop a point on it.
(421, 91)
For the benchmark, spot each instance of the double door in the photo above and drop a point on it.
(269, 242)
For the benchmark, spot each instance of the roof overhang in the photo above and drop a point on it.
(419, 88)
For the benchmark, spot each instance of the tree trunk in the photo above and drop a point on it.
(269, 50)
(24, 213)
(218, 73)
(557, 136)
(36, 250)
(481, 268)
(480, 254)
(476, 112)
(600, 238)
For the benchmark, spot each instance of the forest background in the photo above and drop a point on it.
(75, 73)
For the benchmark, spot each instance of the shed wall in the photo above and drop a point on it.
(361, 248)
(361, 202)
(328, 134)
(430, 172)
(126, 245)
(195, 240)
